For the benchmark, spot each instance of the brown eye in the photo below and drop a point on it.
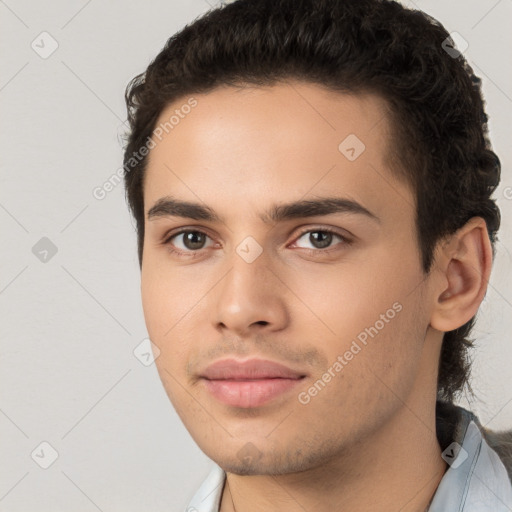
(191, 241)
(321, 238)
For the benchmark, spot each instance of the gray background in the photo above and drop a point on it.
(70, 324)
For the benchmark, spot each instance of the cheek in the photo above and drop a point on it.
(163, 307)
(167, 296)
(342, 300)
(372, 301)
(154, 303)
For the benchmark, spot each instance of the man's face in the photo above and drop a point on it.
(346, 311)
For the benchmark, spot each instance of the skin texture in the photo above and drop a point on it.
(367, 440)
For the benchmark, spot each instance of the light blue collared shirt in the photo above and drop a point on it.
(475, 481)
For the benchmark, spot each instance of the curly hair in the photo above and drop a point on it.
(440, 144)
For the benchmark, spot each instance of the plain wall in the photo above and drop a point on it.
(70, 325)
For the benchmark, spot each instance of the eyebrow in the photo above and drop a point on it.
(169, 206)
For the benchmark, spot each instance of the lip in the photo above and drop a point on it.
(249, 383)
(233, 369)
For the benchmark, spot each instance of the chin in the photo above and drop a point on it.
(259, 464)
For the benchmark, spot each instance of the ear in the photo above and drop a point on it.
(464, 265)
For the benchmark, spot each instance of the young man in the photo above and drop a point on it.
(311, 184)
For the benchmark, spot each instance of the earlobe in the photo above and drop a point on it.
(464, 266)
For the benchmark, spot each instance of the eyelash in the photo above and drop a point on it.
(311, 252)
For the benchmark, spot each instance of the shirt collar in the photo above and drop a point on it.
(475, 481)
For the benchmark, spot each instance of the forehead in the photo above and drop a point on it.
(253, 145)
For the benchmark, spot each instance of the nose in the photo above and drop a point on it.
(250, 297)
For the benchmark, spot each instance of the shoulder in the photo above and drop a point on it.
(501, 443)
